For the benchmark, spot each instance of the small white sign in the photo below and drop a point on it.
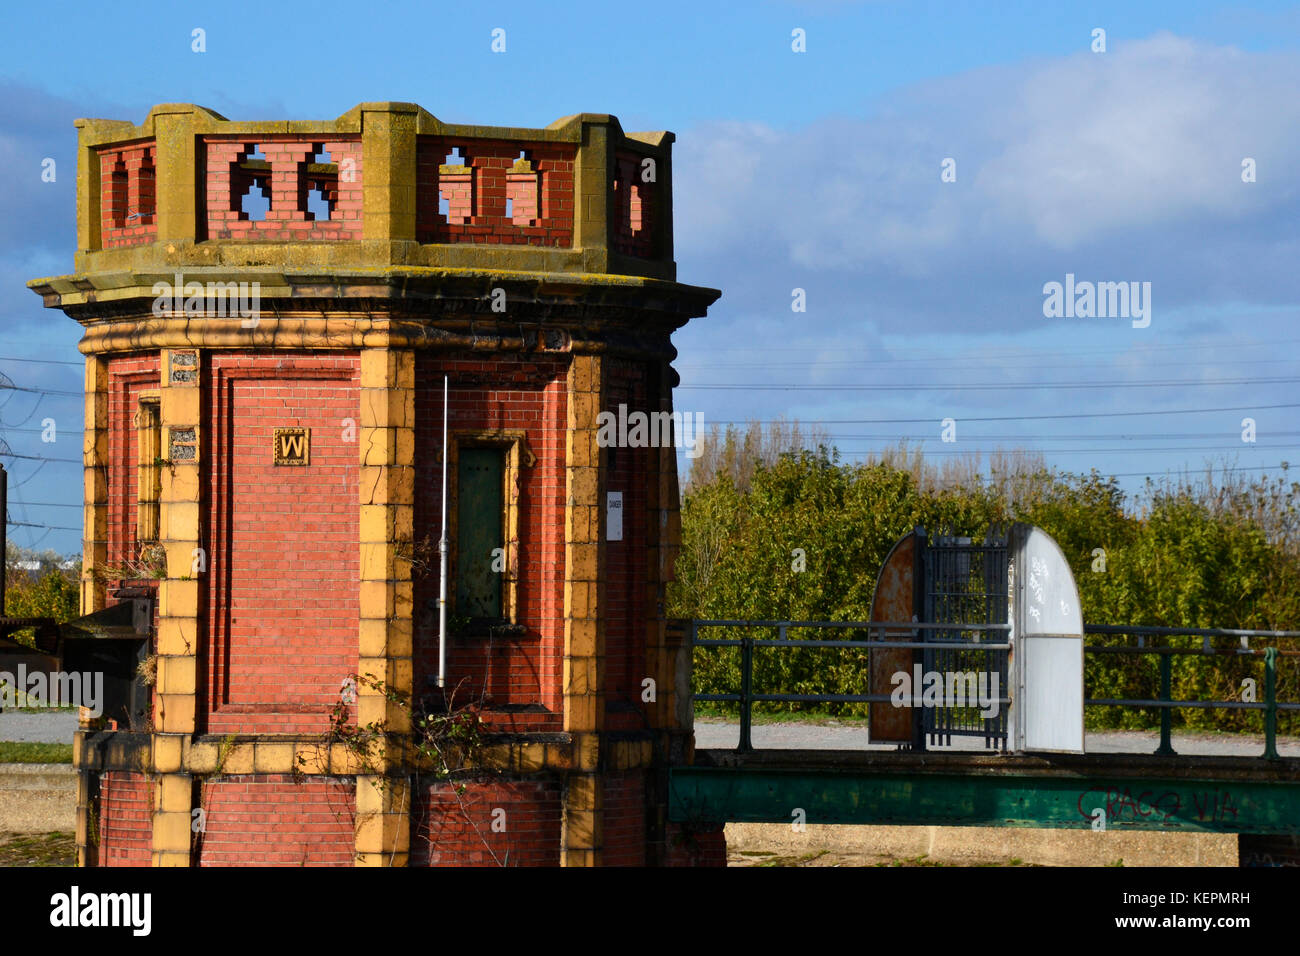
(614, 516)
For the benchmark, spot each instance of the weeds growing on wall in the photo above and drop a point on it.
(444, 739)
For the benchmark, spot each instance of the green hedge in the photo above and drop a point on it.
(1188, 559)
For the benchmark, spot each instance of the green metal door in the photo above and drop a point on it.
(479, 516)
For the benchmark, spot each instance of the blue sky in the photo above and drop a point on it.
(817, 170)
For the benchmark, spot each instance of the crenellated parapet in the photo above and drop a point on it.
(385, 184)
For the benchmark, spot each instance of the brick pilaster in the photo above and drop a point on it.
(661, 544)
(386, 436)
(180, 534)
(591, 226)
(584, 631)
(94, 554)
(388, 190)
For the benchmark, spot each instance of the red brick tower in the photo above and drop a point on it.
(264, 481)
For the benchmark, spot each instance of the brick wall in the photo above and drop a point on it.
(127, 183)
(448, 829)
(129, 375)
(624, 824)
(125, 819)
(283, 573)
(287, 184)
(625, 610)
(268, 820)
(490, 172)
(692, 846)
(491, 393)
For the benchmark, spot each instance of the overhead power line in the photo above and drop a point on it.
(921, 354)
(1109, 451)
(10, 454)
(987, 386)
(1146, 436)
(998, 418)
(14, 358)
(1147, 474)
(943, 366)
(34, 431)
(41, 391)
(29, 524)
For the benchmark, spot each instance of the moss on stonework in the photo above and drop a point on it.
(40, 849)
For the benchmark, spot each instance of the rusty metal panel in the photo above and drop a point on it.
(894, 600)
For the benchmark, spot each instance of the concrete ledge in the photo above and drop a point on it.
(866, 845)
(37, 797)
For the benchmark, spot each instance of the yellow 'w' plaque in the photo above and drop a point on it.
(292, 446)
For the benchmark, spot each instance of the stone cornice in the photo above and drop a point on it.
(84, 295)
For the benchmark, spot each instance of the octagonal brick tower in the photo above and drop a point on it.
(263, 482)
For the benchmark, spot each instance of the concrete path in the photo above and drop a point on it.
(54, 727)
(37, 797)
(713, 734)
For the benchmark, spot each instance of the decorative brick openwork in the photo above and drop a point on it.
(285, 170)
(634, 206)
(127, 195)
(499, 192)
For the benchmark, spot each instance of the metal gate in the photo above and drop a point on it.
(964, 582)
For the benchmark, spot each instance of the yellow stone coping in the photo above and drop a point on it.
(103, 132)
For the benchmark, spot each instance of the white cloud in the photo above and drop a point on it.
(1051, 155)
(1151, 133)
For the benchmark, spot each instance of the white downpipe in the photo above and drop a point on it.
(442, 551)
